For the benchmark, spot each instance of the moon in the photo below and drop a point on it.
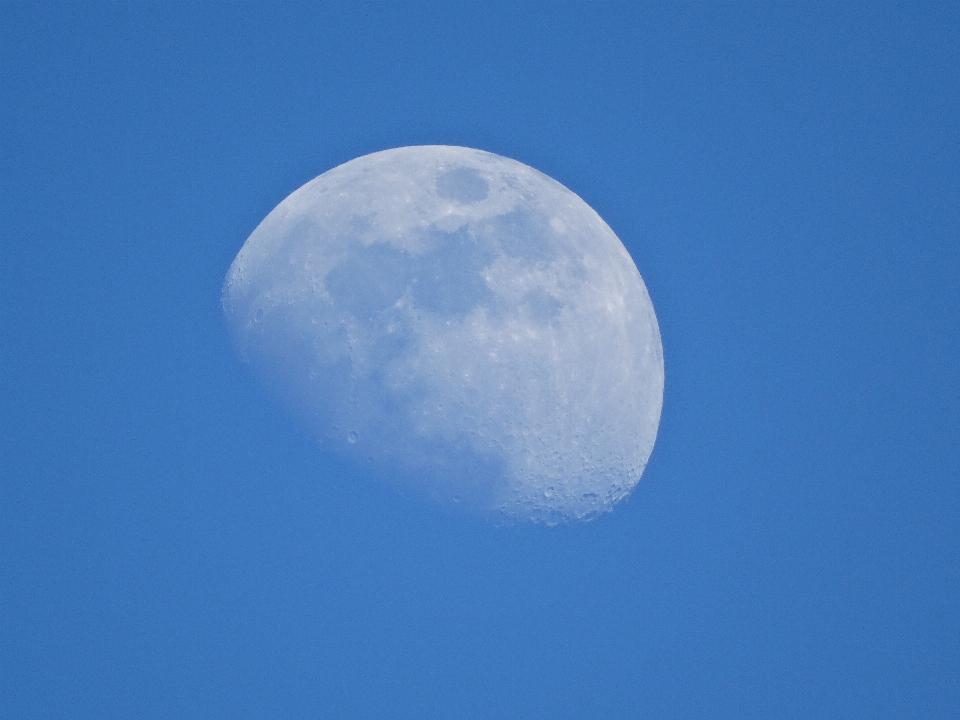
(456, 323)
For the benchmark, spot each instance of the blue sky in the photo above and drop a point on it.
(787, 180)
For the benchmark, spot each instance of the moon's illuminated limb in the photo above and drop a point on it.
(455, 320)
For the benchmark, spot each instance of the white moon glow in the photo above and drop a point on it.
(458, 322)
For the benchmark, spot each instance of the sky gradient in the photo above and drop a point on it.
(787, 180)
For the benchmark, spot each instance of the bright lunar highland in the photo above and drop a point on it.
(456, 322)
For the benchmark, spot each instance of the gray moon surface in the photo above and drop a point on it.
(460, 324)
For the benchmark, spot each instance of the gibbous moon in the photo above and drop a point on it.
(458, 323)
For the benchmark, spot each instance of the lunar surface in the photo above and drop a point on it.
(458, 323)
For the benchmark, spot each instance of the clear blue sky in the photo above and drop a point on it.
(787, 179)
